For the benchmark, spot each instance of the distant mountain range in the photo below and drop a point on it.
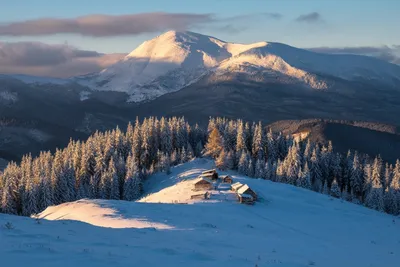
(186, 73)
(174, 60)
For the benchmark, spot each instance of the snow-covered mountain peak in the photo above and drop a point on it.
(179, 57)
(174, 60)
(190, 48)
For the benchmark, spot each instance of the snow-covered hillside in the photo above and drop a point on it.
(174, 60)
(288, 227)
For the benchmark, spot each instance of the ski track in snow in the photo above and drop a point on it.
(289, 227)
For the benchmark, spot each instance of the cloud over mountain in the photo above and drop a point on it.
(105, 25)
(41, 59)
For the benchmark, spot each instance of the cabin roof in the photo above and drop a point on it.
(199, 179)
(237, 185)
(207, 171)
(243, 189)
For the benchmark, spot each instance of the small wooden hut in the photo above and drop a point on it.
(210, 174)
(226, 179)
(201, 184)
(246, 190)
(246, 199)
(236, 186)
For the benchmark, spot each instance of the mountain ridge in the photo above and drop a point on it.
(174, 60)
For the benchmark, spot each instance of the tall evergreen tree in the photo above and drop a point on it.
(214, 144)
(335, 190)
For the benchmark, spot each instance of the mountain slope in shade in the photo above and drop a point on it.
(289, 227)
(175, 60)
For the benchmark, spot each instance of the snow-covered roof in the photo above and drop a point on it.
(198, 179)
(243, 189)
(236, 186)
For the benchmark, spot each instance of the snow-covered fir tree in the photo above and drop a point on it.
(335, 190)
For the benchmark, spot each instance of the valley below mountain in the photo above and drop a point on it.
(198, 76)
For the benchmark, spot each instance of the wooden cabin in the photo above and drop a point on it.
(245, 189)
(205, 195)
(210, 174)
(236, 186)
(246, 199)
(201, 184)
(226, 179)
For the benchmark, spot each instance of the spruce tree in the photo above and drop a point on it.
(112, 172)
(390, 202)
(214, 144)
(184, 156)
(189, 152)
(30, 199)
(250, 168)
(304, 178)
(199, 149)
(268, 170)
(259, 169)
(243, 163)
(374, 198)
(230, 160)
(132, 183)
(240, 138)
(220, 161)
(335, 190)
(325, 189)
(10, 197)
(346, 195)
(315, 171)
(271, 146)
(258, 143)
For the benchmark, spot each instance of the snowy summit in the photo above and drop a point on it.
(174, 60)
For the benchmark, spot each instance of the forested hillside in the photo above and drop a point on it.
(114, 164)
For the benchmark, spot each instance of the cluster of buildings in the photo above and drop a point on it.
(210, 179)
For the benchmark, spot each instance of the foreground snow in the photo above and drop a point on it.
(288, 227)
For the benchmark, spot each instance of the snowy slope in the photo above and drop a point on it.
(174, 60)
(288, 227)
(183, 55)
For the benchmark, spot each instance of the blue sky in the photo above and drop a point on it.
(340, 23)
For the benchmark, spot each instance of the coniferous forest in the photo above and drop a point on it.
(114, 164)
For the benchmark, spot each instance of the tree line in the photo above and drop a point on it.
(110, 165)
(256, 151)
(114, 164)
